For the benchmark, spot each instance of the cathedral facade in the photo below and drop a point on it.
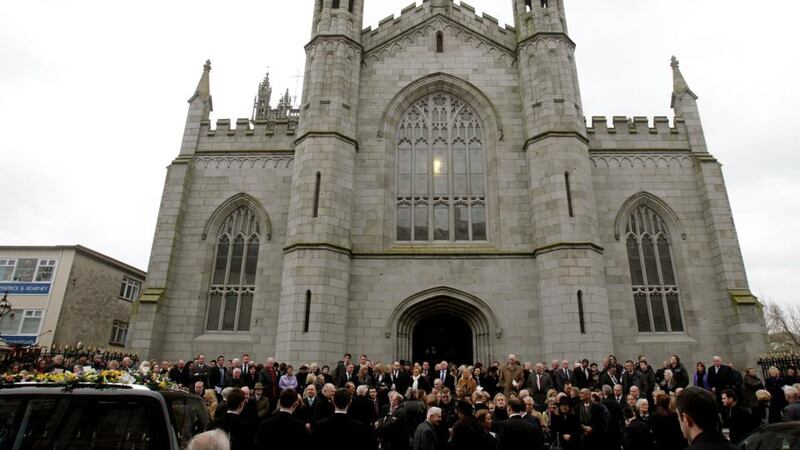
(439, 194)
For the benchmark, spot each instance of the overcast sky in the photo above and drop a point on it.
(93, 102)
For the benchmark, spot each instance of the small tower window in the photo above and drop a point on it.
(307, 317)
(440, 42)
(316, 194)
(569, 194)
(581, 320)
(335, 4)
(319, 5)
(544, 3)
(528, 5)
(352, 6)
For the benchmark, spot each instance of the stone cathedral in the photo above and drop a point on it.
(439, 194)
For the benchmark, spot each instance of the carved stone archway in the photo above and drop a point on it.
(474, 311)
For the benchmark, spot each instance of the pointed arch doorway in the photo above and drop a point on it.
(442, 336)
(443, 324)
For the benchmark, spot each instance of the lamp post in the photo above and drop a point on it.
(5, 305)
(5, 308)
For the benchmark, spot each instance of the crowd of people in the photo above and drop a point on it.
(511, 405)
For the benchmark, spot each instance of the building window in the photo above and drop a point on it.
(581, 319)
(439, 42)
(569, 194)
(335, 4)
(233, 281)
(129, 290)
(7, 269)
(441, 187)
(351, 6)
(119, 333)
(307, 317)
(27, 270)
(31, 320)
(316, 194)
(45, 270)
(655, 288)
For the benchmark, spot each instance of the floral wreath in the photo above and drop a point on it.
(89, 375)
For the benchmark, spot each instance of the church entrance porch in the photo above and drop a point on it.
(443, 324)
(440, 337)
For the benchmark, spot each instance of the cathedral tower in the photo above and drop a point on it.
(573, 302)
(312, 318)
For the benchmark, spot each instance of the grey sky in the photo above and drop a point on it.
(93, 101)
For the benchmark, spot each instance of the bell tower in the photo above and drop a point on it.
(569, 259)
(312, 318)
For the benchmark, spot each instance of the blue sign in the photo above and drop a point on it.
(25, 288)
(19, 340)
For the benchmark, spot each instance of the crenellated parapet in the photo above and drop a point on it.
(276, 132)
(637, 133)
(393, 28)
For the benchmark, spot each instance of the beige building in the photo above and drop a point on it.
(63, 295)
(439, 194)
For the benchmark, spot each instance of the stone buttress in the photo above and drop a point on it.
(316, 271)
(568, 256)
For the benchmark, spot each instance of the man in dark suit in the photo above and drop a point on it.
(340, 367)
(562, 375)
(283, 430)
(592, 416)
(518, 433)
(539, 382)
(442, 373)
(340, 429)
(348, 376)
(614, 404)
(239, 430)
(697, 413)
(581, 374)
(425, 436)
(323, 407)
(735, 417)
(630, 377)
(610, 377)
(215, 377)
(362, 408)
(176, 372)
(720, 377)
(398, 379)
(306, 410)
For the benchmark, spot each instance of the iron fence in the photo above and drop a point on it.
(782, 362)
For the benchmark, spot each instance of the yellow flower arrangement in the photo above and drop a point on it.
(91, 376)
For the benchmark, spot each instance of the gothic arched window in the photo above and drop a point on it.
(441, 188)
(233, 280)
(655, 288)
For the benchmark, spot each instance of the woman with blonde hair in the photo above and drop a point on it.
(774, 385)
(467, 382)
(210, 398)
(761, 410)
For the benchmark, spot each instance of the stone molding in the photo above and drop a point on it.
(243, 162)
(440, 81)
(640, 161)
(652, 202)
(437, 23)
(232, 204)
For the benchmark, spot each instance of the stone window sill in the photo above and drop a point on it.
(658, 338)
(225, 337)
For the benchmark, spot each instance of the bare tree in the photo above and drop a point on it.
(783, 326)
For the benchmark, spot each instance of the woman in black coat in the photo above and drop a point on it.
(774, 384)
(666, 427)
(467, 432)
(566, 426)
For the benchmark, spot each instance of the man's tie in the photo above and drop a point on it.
(538, 382)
